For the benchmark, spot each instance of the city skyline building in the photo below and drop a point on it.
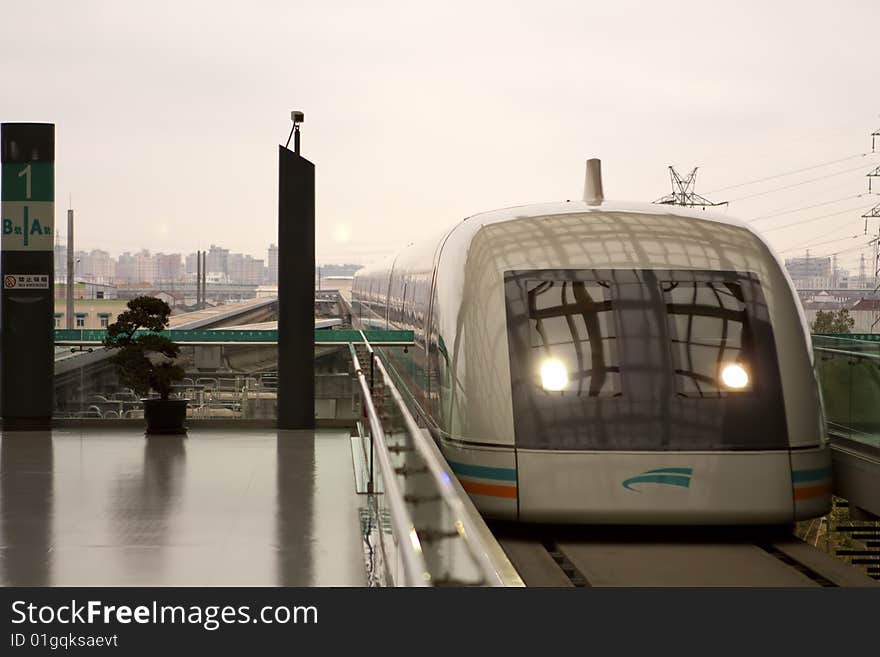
(169, 267)
(95, 266)
(810, 272)
(217, 260)
(272, 277)
(241, 268)
(60, 258)
(143, 267)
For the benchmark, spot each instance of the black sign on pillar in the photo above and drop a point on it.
(27, 270)
(296, 291)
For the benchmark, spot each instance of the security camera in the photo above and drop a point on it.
(297, 117)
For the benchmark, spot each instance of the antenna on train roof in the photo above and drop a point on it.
(593, 192)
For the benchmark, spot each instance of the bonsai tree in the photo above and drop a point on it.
(833, 321)
(147, 361)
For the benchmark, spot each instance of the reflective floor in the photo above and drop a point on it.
(109, 507)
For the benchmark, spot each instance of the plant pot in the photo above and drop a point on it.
(165, 416)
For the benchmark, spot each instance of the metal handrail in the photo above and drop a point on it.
(410, 547)
(853, 354)
(444, 478)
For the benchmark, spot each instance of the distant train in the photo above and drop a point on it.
(599, 362)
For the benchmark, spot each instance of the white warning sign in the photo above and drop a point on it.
(26, 282)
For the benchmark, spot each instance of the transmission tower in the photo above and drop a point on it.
(876, 244)
(683, 191)
(874, 173)
(875, 137)
(874, 213)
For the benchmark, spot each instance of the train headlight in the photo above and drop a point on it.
(553, 374)
(734, 376)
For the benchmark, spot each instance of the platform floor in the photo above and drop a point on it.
(109, 507)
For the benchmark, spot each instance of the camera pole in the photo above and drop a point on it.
(296, 285)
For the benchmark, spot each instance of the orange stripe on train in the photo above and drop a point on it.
(809, 492)
(492, 490)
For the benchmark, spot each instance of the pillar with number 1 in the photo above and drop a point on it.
(27, 210)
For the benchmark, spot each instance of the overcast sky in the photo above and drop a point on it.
(418, 114)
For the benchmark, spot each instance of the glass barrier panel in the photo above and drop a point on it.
(449, 559)
(221, 382)
(848, 371)
(864, 398)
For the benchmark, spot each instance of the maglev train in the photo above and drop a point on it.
(609, 363)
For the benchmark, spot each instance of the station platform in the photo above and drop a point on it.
(111, 507)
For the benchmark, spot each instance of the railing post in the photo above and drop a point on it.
(372, 368)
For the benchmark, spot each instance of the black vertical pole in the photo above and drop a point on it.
(198, 280)
(203, 276)
(296, 291)
(27, 268)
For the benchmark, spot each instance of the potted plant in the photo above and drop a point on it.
(148, 361)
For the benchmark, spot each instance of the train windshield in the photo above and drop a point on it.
(642, 359)
(572, 336)
(710, 337)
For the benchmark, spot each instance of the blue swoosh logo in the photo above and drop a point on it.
(668, 476)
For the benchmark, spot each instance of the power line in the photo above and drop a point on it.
(825, 234)
(789, 173)
(801, 222)
(805, 207)
(855, 248)
(811, 244)
(798, 184)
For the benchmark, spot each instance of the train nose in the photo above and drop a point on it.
(658, 488)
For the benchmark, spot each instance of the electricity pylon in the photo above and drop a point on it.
(683, 192)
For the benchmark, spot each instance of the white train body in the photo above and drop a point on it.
(636, 310)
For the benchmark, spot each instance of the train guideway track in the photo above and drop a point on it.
(689, 557)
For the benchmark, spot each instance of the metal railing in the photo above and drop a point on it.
(413, 559)
(239, 337)
(454, 519)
